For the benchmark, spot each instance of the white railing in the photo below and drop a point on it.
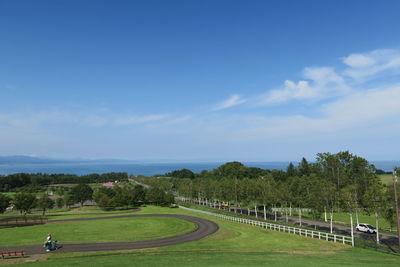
(281, 228)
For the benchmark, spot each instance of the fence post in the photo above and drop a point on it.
(352, 231)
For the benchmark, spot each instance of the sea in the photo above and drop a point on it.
(146, 169)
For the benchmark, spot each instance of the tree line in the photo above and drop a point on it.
(107, 198)
(334, 182)
(30, 182)
(131, 195)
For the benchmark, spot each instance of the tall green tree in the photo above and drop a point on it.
(104, 201)
(375, 200)
(138, 195)
(183, 173)
(24, 202)
(82, 193)
(4, 202)
(60, 202)
(304, 167)
(291, 170)
(156, 195)
(45, 203)
(68, 199)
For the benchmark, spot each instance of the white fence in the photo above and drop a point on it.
(282, 228)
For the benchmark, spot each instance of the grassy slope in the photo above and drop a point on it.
(208, 259)
(386, 178)
(233, 245)
(123, 229)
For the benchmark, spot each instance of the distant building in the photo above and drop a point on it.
(109, 184)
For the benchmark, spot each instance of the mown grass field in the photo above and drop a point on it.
(110, 230)
(234, 244)
(386, 178)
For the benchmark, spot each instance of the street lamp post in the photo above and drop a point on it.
(396, 204)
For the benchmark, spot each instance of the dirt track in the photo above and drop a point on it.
(204, 228)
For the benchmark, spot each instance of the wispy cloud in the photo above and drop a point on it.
(326, 83)
(367, 65)
(232, 101)
(319, 83)
(132, 120)
(365, 106)
(94, 120)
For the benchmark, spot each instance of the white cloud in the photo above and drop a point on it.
(366, 106)
(94, 120)
(291, 90)
(322, 82)
(367, 65)
(131, 120)
(348, 114)
(323, 76)
(232, 101)
(359, 61)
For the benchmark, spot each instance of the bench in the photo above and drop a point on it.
(19, 253)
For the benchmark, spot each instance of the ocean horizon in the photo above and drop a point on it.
(146, 169)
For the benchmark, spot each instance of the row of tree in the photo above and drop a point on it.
(25, 202)
(131, 195)
(334, 182)
(106, 197)
(20, 180)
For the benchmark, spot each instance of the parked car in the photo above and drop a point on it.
(366, 228)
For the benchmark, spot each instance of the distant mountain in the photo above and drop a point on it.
(27, 160)
(43, 160)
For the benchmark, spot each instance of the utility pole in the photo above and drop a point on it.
(396, 204)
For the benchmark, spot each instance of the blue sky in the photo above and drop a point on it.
(200, 80)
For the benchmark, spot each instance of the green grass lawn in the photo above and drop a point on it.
(235, 244)
(123, 229)
(386, 178)
(207, 259)
(344, 217)
(362, 218)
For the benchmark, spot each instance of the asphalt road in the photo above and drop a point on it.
(203, 229)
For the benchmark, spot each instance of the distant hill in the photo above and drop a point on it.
(42, 160)
(27, 160)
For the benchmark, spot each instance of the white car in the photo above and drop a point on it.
(366, 228)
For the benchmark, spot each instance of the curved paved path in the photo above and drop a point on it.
(204, 228)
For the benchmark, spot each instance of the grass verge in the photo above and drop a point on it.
(234, 244)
